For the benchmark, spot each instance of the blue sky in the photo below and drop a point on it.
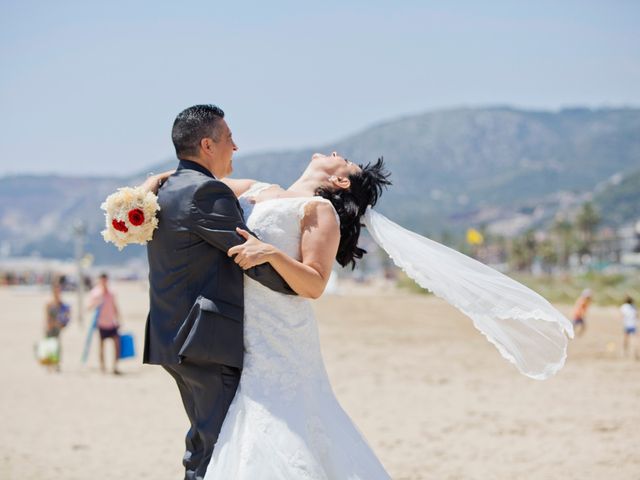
(93, 87)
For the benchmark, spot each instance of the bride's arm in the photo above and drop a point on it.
(153, 182)
(318, 246)
(238, 185)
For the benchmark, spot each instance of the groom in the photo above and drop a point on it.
(195, 323)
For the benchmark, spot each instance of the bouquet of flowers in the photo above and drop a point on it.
(130, 216)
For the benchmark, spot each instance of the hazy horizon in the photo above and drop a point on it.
(171, 155)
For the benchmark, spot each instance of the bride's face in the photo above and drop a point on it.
(333, 165)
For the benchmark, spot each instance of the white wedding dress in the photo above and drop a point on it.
(285, 422)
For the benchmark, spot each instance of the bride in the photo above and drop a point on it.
(284, 421)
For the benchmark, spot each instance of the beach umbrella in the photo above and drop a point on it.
(87, 342)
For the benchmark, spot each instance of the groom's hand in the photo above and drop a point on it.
(252, 252)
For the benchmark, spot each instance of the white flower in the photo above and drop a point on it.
(123, 206)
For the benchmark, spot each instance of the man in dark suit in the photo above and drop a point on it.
(195, 324)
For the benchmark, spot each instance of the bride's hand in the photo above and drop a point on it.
(252, 252)
(153, 182)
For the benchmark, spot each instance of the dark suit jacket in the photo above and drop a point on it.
(196, 290)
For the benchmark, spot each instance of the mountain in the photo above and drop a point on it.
(500, 167)
(458, 167)
(619, 201)
(38, 215)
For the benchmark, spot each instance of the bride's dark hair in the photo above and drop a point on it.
(351, 204)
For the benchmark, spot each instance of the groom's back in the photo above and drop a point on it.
(182, 267)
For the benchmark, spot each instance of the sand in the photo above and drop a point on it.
(434, 399)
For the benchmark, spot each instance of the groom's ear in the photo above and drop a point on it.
(207, 144)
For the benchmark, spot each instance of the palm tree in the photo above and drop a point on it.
(523, 251)
(587, 223)
(548, 255)
(562, 230)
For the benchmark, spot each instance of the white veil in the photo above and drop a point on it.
(523, 326)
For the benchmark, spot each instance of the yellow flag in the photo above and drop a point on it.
(474, 237)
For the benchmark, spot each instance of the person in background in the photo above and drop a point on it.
(103, 300)
(629, 315)
(580, 311)
(56, 318)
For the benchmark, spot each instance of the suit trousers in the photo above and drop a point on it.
(207, 390)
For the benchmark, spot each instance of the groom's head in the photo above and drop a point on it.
(201, 134)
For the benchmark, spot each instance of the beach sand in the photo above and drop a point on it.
(432, 396)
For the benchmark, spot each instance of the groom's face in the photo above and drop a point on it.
(224, 148)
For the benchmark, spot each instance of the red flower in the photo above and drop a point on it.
(136, 217)
(119, 225)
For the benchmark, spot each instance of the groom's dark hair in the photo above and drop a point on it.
(192, 125)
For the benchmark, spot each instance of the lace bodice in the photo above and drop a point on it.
(277, 221)
(280, 331)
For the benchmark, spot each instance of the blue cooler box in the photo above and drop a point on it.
(127, 345)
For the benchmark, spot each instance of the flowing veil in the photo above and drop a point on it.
(525, 328)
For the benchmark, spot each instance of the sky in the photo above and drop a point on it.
(92, 88)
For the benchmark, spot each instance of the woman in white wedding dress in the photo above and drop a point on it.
(285, 422)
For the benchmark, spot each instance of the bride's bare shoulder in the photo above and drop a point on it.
(238, 185)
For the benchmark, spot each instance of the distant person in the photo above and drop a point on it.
(629, 315)
(57, 314)
(580, 311)
(103, 300)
